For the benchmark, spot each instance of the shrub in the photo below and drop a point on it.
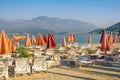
(22, 52)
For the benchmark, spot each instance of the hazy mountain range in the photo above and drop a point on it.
(46, 24)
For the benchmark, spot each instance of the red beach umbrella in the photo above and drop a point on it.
(51, 41)
(105, 44)
(102, 36)
(45, 38)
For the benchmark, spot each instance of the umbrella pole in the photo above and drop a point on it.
(106, 56)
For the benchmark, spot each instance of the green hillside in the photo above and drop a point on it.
(113, 28)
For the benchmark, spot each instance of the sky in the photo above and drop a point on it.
(98, 12)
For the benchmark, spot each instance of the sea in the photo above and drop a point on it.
(80, 38)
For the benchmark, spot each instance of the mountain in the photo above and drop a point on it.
(97, 31)
(46, 24)
(113, 28)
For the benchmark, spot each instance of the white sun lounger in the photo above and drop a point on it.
(21, 66)
(39, 64)
(3, 70)
(83, 60)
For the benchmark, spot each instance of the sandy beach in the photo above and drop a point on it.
(63, 71)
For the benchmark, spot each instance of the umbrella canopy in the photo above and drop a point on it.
(74, 38)
(69, 37)
(11, 46)
(102, 36)
(27, 42)
(33, 40)
(89, 39)
(40, 40)
(4, 43)
(45, 38)
(64, 42)
(17, 38)
(105, 44)
(17, 44)
(110, 39)
(115, 40)
(51, 41)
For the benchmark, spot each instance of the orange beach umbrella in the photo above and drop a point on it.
(33, 40)
(64, 42)
(17, 44)
(89, 39)
(40, 40)
(27, 42)
(11, 46)
(115, 40)
(74, 38)
(69, 38)
(17, 38)
(110, 39)
(4, 43)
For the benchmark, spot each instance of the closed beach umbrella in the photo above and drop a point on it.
(27, 42)
(4, 43)
(51, 41)
(69, 37)
(11, 46)
(102, 36)
(33, 40)
(74, 38)
(40, 40)
(17, 38)
(17, 44)
(45, 38)
(104, 45)
(64, 42)
(89, 39)
(115, 40)
(110, 39)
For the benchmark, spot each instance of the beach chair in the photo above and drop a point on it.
(83, 60)
(76, 45)
(21, 66)
(3, 70)
(6, 56)
(114, 57)
(39, 64)
(38, 53)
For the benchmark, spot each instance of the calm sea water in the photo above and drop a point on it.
(80, 38)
